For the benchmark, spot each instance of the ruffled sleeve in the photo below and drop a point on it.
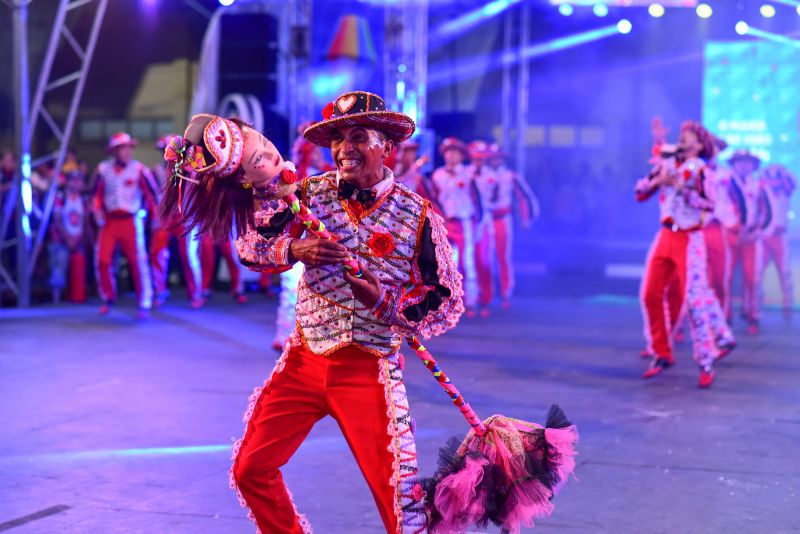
(432, 304)
(266, 247)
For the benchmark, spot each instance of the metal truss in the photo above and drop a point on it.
(32, 216)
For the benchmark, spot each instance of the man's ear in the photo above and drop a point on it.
(388, 145)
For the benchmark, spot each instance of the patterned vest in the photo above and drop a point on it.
(328, 317)
(121, 189)
(455, 191)
(675, 204)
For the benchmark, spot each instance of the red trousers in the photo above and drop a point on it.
(208, 260)
(461, 234)
(345, 386)
(76, 288)
(677, 274)
(776, 248)
(495, 241)
(188, 251)
(718, 261)
(749, 253)
(127, 233)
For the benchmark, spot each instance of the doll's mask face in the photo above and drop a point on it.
(261, 161)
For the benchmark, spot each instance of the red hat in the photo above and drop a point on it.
(120, 139)
(410, 144)
(360, 108)
(496, 151)
(453, 143)
(479, 150)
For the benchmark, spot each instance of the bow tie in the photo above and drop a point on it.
(366, 197)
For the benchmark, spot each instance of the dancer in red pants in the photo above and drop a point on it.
(209, 259)
(161, 235)
(678, 255)
(504, 192)
(745, 238)
(778, 185)
(124, 189)
(347, 365)
(459, 200)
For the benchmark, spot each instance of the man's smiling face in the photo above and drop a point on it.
(358, 152)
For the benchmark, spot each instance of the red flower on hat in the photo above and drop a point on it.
(327, 111)
(381, 243)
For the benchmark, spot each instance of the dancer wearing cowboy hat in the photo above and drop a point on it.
(778, 184)
(678, 256)
(342, 360)
(459, 200)
(161, 234)
(503, 191)
(745, 238)
(124, 189)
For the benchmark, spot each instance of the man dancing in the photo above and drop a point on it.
(343, 359)
(124, 189)
(459, 200)
(678, 256)
(778, 185)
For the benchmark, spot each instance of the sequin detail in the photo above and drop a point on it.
(408, 508)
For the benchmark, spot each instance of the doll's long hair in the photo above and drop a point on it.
(215, 205)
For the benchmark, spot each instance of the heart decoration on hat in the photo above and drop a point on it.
(346, 102)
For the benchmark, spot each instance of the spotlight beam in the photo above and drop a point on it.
(481, 65)
(792, 3)
(457, 26)
(774, 37)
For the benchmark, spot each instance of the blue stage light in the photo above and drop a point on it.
(461, 24)
(767, 11)
(327, 86)
(566, 9)
(774, 37)
(226, 3)
(601, 10)
(742, 27)
(441, 74)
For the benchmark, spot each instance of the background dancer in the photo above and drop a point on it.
(124, 189)
(162, 233)
(459, 200)
(745, 239)
(778, 185)
(678, 253)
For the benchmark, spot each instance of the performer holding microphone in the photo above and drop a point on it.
(678, 255)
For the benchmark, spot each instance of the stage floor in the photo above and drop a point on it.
(111, 426)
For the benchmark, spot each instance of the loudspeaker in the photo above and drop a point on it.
(248, 56)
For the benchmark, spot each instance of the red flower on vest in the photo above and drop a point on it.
(381, 244)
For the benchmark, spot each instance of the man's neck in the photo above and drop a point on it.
(369, 180)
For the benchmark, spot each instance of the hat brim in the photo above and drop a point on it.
(756, 161)
(396, 126)
(132, 142)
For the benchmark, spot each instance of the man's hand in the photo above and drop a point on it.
(367, 290)
(315, 252)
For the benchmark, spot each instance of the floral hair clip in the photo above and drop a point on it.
(183, 158)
